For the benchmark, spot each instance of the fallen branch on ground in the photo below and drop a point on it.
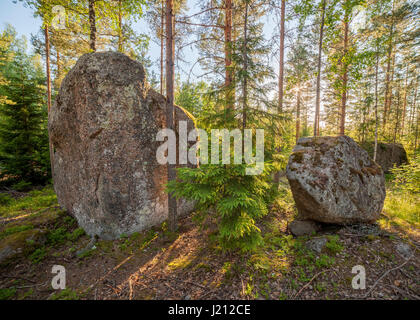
(384, 275)
(310, 281)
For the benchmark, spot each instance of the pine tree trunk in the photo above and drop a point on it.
(397, 115)
(388, 69)
(417, 129)
(230, 99)
(47, 60)
(387, 79)
(413, 108)
(245, 58)
(92, 22)
(376, 105)
(345, 77)
(391, 84)
(281, 70)
(318, 77)
(298, 116)
(404, 111)
(170, 44)
(120, 36)
(281, 60)
(162, 25)
(58, 65)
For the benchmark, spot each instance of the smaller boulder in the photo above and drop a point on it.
(302, 227)
(333, 180)
(21, 243)
(387, 154)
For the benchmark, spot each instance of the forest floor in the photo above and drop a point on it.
(189, 264)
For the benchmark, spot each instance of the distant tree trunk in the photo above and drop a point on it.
(245, 58)
(417, 128)
(281, 69)
(92, 22)
(376, 104)
(345, 76)
(58, 64)
(391, 84)
(170, 49)
(398, 114)
(404, 110)
(230, 98)
(47, 66)
(413, 108)
(120, 35)
(388, 68)
(281, 60)
(318, 77)
(387, 79)
(47, 61)
(162, 25)
(298, 116)
(305, 119)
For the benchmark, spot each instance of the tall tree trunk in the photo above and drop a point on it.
(281, 60)
(162, 25)
(230, 98)
(281, 69)
(387, 85)
(47, 66)
(397, 115)
(318, 77)
(413, 107)
(404, 110)
(391, 84)
(92, 22)
(170, 50)
(388, 68)
(417, 129)
(345, 74)
(376, 104)
(47, 61)
(298, 116)
(120, 35)
(58, 67)
(305, 119)
(245, 58)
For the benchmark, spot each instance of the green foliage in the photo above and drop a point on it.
(333, 245)
(34, 201)
(190, 97)
(5, 199)
(324, 261)
(237, 200)
(57, 236)
(7, 293)
(407, 177)
(24, 152)
(66, 294)
(402, 203)
(15, 229)
(76, 234)
(38, 255)
(22, 186)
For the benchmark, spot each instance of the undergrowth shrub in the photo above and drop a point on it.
(234, 199)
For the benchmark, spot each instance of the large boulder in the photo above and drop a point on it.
(103, 129)
(387, 154)
(333, 180)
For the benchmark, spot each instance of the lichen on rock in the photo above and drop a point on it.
(103, 129)
(333, 180)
